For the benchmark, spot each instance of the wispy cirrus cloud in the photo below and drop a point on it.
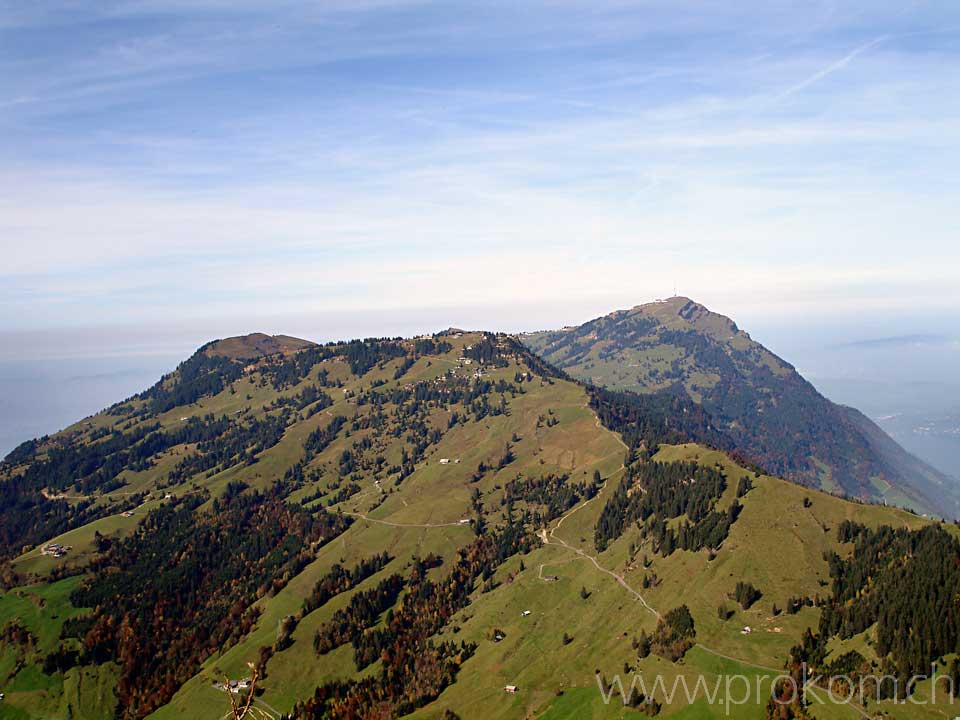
(830, 69)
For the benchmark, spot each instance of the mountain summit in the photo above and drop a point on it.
(769, 411)
(254, 346)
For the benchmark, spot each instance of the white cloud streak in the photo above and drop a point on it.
(830, 69)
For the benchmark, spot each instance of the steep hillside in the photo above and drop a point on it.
(389, 528)
(765, 408)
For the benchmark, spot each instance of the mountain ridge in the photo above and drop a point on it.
(772, 413)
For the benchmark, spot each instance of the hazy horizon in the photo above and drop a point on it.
(898, 369)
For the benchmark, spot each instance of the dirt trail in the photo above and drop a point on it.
(549, 538)
(407, 525)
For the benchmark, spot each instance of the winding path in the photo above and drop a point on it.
(407, 525)
(549, 538)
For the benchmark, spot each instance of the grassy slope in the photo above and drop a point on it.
(776, 543)
(85, 693)
(434, 495)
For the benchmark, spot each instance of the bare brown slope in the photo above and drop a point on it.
(255, 345)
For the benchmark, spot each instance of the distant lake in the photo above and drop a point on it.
(42, 395)
(908, 384)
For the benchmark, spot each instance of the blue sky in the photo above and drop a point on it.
(232, 164)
